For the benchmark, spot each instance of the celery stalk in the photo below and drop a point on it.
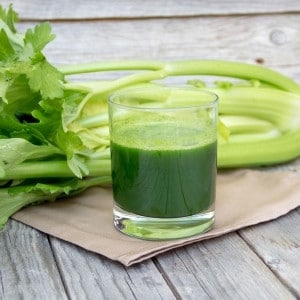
(55, 169)
(234, 70)
(281, 149)
(279, 107)
(192, 67)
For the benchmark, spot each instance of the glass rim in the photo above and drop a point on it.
(212, 102)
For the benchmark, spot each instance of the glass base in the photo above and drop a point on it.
(162, 228)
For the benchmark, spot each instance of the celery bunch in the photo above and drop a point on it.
(54, 138)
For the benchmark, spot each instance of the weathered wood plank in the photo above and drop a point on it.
(278, 244)
(27, 266)
(90, 276)
(275, 40)
(95, 9)
(222, 268)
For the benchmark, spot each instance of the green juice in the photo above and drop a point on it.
(163, 182)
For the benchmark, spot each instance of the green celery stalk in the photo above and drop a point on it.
(283, 148)
(279, 107)
(231, 69)
(244, 124)
(55, 169)
(234, 70)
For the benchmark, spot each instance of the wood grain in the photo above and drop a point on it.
(278, 245)
(272, 40)
(101, 9)
(27, 266)
(214, 269)
(90, 276)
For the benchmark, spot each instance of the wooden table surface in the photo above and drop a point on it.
(259, 262)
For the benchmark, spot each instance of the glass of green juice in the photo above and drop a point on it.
(163, 160)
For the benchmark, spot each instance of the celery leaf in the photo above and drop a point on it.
(7, 52)
(39, 37)
(9, 17)
(46, 79)
(16, 197)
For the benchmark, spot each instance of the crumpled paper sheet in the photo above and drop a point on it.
(244, 198)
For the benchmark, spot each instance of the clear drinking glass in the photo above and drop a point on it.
(163, 155)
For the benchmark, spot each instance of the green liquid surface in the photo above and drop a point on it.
(163, 182)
